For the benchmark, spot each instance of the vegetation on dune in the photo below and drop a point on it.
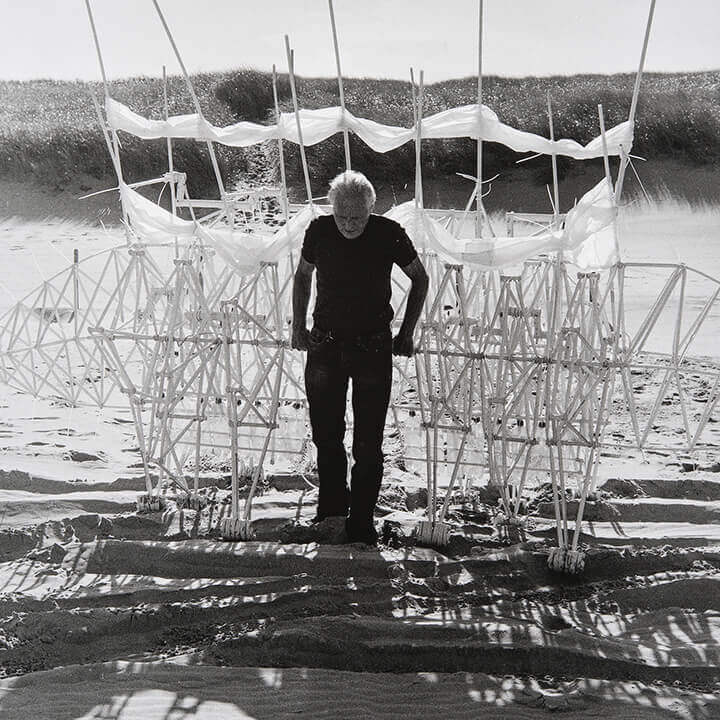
(49, 130)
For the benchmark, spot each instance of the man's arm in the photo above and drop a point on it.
(403, 341)
(301, 298)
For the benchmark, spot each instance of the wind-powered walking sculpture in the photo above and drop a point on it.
(518, 361)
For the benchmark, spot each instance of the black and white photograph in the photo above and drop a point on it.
(360, 359)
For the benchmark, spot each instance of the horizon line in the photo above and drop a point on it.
(240, 69)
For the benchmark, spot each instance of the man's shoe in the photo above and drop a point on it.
(367, 535)
(318, 518)
(329, 530)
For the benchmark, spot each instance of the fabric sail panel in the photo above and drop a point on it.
(588, 235)
(244, 251)
(318, 125)
(587, 238)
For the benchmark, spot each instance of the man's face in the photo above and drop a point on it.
(351, 215)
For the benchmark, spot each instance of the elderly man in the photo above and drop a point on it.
(353, 252)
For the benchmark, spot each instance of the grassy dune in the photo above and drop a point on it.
(49, 132)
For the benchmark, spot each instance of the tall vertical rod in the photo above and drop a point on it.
(115, 159)
(76, 288)
(108, 142)
(413, 95)
(199, 413)
(97, 47)
(196, 102)
(478, 181)
(556, 192)
(560, 254)
(281, 153)
(166, 110)
(633, 105)
(611, 192)
(346, 136)
(291, 71)
(417, 95)
(115, 144)
(171, 169)
(231, 413)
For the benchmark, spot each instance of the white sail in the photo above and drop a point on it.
(319, 125)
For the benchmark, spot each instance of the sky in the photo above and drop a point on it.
(378, 38)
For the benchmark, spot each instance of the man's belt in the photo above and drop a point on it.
(363, 340)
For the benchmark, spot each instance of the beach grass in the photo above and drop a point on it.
(49, 130)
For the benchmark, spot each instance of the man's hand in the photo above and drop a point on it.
(299, 339)
(403, 345)
(403, 342)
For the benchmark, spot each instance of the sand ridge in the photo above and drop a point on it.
(157, 691)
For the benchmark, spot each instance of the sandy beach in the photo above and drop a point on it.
(110, 614)
(548, 523)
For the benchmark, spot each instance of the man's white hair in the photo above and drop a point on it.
(351, 184)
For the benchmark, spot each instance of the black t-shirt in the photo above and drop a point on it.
(353, 276)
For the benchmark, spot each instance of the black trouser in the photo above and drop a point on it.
(331, 362)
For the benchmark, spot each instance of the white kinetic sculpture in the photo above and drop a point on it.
(521, 363)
